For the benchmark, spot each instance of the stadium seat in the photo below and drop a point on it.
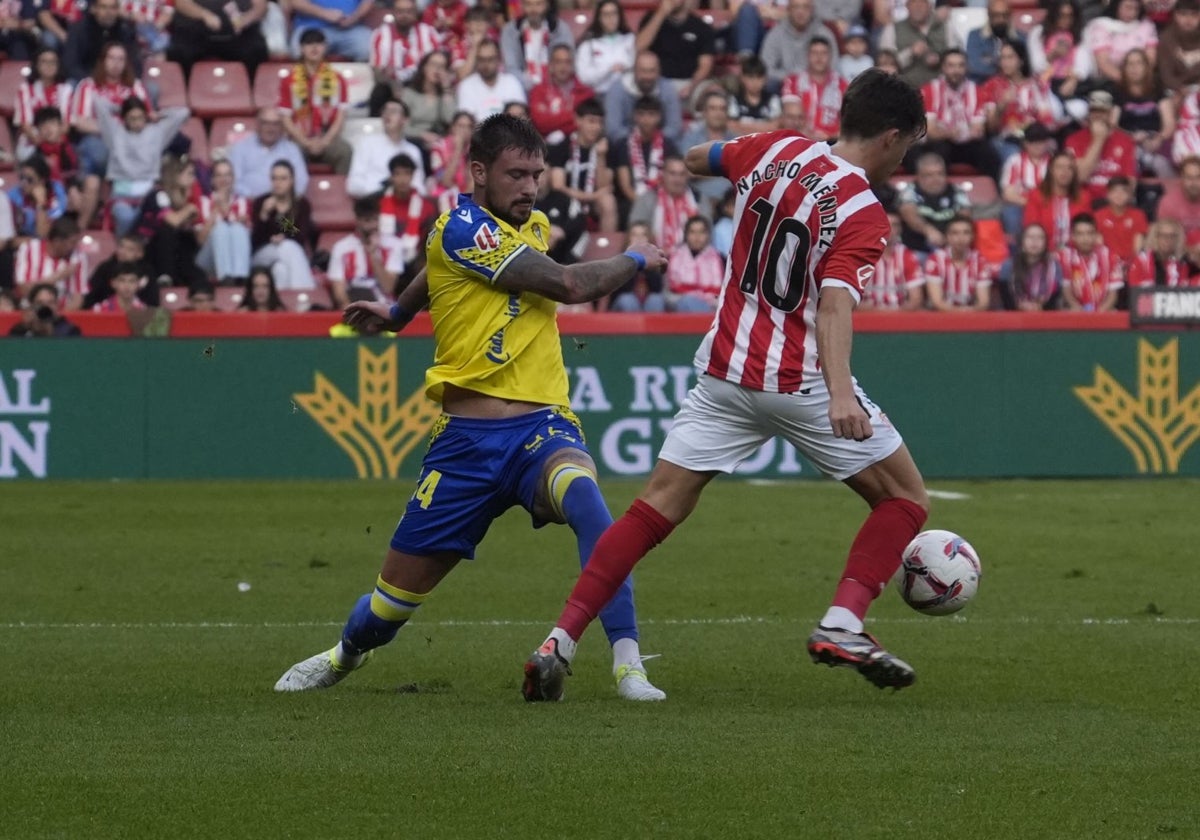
(193, 130)
(578, 23)
(299, 301)
(6, 143)
(328, 238)
(360, 80)
(962, 21)
(165, 81)
(634, 15)
(377, 17)
(356, 127)
(718, 19)
(1025, 21)
(980, 189)
(228, 298)
(99, 245)
(12, 74)
(331, 207)
(266, 83)
(225, 132)
(601, 246)
(220, 89)
(174, 297)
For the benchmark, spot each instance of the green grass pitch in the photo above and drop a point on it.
(136, 696)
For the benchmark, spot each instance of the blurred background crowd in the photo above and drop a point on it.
(293, 154)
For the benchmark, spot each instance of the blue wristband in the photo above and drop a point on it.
(398, 315)
(637, 258)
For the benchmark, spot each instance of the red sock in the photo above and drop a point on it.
(627, 541)
(875, 554)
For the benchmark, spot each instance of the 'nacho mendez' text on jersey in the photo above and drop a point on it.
(806, 219)
(499, 343)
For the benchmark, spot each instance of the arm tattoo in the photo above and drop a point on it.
(531, 271)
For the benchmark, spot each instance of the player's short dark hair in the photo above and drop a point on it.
(402, 161)
(946, 53)
(698, 219)
(64, 227)
(132, 103)
(876, 102)
(1120, 181)
(403, 105)
(127, 268)
(312, 35)
(648, 104)
(590, 107)
(37, 289)
(1083, 219)
(752, 65)
(45, 114)
(366, 207)
(134, 237)
(961, 220)
(39, 166)
(822, 40)
(501, 132)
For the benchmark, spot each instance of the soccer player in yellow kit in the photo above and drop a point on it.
(506, 436)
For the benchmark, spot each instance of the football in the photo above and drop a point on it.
(939, 573)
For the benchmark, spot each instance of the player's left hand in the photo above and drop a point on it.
(369, 317)
(849, 419)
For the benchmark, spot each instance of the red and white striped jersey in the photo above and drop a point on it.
(238, 211)
(398, 54)
(83, 102)
(1032, 102)
(1090, 276)
(804, 220)
(147, 11)
(820, 102)
(897, 273)
(1023, 172)
(950, 106)
(65, 10)
(34, 264)
(34, 95)
(963, 282)
(1186, 141)
(348, 264)
(1142, 271)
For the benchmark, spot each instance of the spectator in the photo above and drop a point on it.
(644, 293)
(918, 42)
(36, 200)
(8, 303)
(260, 294)
(1014, 102)
(488, 90)
(1059, 199)
(814, 95)
(1022, 174)
(899, 281)
(253, 156)
(448, 160)
(552, 103)
(1123, 28)
(55, 17)
(89, 39)
(221, 30)
(696, 271)
(169, 217)
(283, 235)
(131, 248)
(723, 224)
(397, 49)
(984, 43)
(55, 259)
(607, 49)
(1058, 58)
(1091, 276)
(223, 229)
(61, 159)
(685, 45)
(957, 276)
(1162, 263)
(752, 109)
(1104, 152)
(464, 49)
(112, 81)
(372, 152)
(405, 213)
(668, 207)
(45, 88)
(40, 317)
(928, 204)
(1181, 201)
(1179, 44)
(8, 241)
(646, 81)
(429, 97)
(638, 161)
(340, 22)
(527, 42)
(365, 265)
(842, 15)
(1146, 114)
(957, 119)
(201, 297)
(888, 62)
(124, 297)
(713, 125)
(1031, 281)
(579, 170)
(1122, 226)
(786, 46)
(448, 17)
(313, 101)
(136, 147)
(856, 56)
(151, 20)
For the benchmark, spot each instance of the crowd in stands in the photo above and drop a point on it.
(287, 154)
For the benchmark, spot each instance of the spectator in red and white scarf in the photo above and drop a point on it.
(46, 87)
(552, 103)
(1162, 263)
(638, 159)
(406, 214)
(1091, 274)
(957, 276)
(954, 109)
(397, 47)
(667, 208)
(815, 94)
(899, 279)
(695, 271)
(1022, 174)
(526, 43)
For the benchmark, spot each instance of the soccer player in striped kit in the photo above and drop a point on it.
(776, 362)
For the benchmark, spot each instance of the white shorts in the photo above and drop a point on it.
(720, 425)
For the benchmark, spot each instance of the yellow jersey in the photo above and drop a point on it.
(499, 343)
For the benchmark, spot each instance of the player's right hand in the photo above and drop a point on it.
(849, 419)
(656, 258)
(369, 317)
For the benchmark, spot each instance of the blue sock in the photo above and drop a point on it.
(574, 490)
(377, 617)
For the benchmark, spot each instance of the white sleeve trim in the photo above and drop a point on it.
(855, 293)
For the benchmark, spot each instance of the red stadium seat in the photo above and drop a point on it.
(980, 189)
(578, 22)
(166, 79)
(174, 297)
(718, 19)
(12, 74)
(360, 80)
(634, 15)
(99, 245)
(220, 89)
(326, 239)
(331, 206)
(226, 131)
(377, 17)
(193, 130)
(6, 143)
(299, 301)
(601, 246)
(1024, 21)
(228, 298)
(266, 83)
